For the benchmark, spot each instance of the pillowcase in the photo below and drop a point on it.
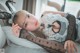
(2, 38)
(19, 41)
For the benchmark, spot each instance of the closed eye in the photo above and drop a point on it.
(28, 16)
(25, 24)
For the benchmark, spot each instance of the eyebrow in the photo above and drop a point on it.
(27, 15)
(23, 24)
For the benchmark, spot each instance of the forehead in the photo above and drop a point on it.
(22, 15)
(20, 21)
(21, 18)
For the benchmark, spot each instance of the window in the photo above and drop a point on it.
(52, 5)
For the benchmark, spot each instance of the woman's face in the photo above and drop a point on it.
(29, 22)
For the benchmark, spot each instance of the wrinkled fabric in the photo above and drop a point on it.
(19, 45)
(2, 38)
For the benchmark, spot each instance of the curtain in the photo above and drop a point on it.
(29, 5)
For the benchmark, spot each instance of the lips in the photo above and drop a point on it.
(36, 23)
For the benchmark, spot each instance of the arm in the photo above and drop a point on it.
(50, 46)
(19, 41)
(71, 36)
(61, 13)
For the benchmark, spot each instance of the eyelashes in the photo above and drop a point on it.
(28, 16)
(25, 24)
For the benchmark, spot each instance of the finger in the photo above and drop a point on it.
(75, 47)
(19, 27)
(16, 24)
(65, 45)
(16, 32)
(68, 47)
(72, 47)
(13, 26)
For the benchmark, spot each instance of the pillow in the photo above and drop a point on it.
(2, 38)
(19, 41)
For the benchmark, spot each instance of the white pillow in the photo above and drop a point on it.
(19, 41)
(2, 38)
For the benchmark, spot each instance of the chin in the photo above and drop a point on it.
(34, 30)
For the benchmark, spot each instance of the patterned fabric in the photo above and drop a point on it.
(49, 19)
(19, 45)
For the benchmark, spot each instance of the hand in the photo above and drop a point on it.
(70, 46)
(16, 29)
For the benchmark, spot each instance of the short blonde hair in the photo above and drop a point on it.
(17, 14)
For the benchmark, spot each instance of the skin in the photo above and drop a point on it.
(70, 46)
(28, 21)
(33, 24)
